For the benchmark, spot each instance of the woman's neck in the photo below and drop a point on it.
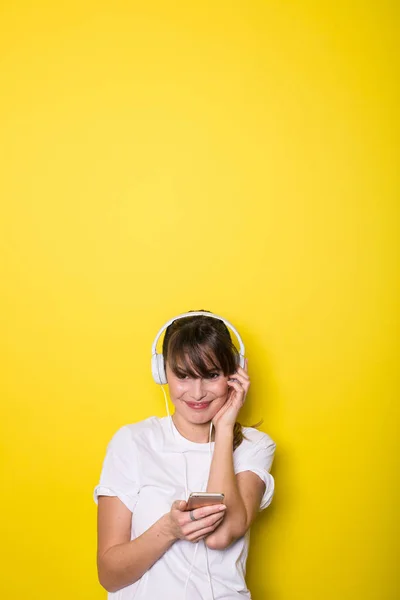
(194, 432)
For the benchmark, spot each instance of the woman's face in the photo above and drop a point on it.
(197, 400)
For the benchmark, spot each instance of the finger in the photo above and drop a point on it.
(202, 526)
(233, 383)
(242, 377)
(240, 374)
(243, 372)
(206, 511)
(193, 526)
(194, 537)
(179, 505)
(245, 383)
(239, 392)
(235, 379)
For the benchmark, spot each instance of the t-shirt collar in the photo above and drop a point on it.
(176, 442)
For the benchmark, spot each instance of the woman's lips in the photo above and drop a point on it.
(198, 405)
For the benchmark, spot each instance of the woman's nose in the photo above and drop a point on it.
(197, 390)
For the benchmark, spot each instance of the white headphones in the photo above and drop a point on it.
(157, 360)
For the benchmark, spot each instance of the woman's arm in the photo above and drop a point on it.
(122, 561)
(243, 492)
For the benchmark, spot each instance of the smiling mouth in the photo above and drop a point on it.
(198, 405)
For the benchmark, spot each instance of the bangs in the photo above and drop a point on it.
(194, 361)
(198, 353)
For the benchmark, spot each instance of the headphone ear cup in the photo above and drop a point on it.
(158, 369)
(161, 369)
(154, 368)
(241, 361)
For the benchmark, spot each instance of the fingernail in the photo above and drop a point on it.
(222, 507)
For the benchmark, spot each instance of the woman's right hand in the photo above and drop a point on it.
(182, 527)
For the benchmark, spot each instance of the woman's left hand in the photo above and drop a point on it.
(239, 384)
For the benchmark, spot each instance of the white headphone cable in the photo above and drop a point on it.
(167, 408)
(197, 543)
(205, 545)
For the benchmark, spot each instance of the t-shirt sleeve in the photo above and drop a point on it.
(258, 458)
(119, 476)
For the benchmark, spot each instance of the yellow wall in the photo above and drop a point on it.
(233, 156)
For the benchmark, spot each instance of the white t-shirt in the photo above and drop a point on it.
(148, 466)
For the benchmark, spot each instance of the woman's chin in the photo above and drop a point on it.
(200, 417)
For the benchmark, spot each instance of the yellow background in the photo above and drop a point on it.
(234, 156)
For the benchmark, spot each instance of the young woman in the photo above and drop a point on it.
(150, 547)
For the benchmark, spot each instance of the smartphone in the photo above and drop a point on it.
(198, 499)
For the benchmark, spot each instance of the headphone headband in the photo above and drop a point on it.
(197, 314)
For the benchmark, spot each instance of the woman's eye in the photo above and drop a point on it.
(182, 376)
(212, 375)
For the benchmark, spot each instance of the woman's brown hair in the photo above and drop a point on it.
(198, 345)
